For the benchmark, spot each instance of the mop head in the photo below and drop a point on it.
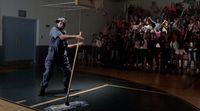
(63, 107)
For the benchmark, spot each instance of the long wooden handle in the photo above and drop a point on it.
(72, 71)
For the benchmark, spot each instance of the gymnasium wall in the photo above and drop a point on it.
(88, 21)
(11, 7)
(33, 11)
(146, 4)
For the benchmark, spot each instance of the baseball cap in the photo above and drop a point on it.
(61, 19)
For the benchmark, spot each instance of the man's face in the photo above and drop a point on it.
(61, 25)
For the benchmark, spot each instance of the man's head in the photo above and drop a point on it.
(61, 22)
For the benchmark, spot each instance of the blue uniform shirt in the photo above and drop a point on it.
(58, 45)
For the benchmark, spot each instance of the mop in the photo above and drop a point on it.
(68, 105)
(63, 107)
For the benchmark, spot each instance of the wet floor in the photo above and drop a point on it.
(102, 93)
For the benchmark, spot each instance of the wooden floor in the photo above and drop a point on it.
(135, 89)
(185, 86)
(11, 106)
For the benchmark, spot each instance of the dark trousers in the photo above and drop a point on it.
(51, 61)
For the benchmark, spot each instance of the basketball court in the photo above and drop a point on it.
(20, 87)
(100, 93)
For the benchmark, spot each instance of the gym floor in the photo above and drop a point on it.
(97, 86)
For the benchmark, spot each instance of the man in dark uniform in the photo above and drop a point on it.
(57, 54)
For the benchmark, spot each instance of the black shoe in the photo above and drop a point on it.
(42, 92)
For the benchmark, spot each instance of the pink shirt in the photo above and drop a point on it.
(158, 33)
(137, 44)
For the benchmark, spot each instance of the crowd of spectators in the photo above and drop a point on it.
(167, 41)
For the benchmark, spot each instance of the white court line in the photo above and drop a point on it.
(21, 101)
(61, 98)
(136, 89)
(96, 88)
